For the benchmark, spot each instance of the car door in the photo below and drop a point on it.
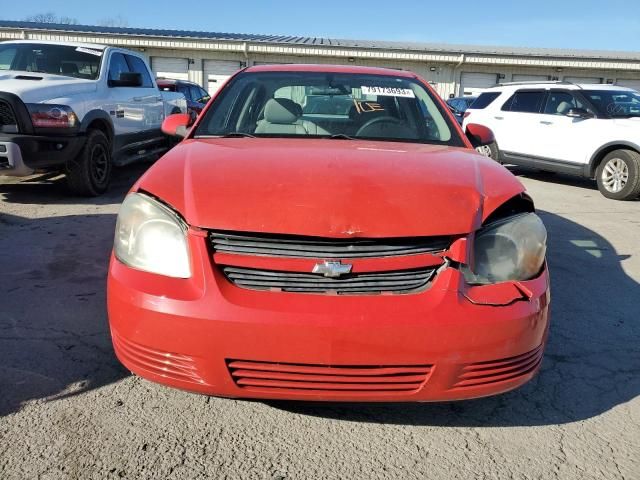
(126, 117)
(147, 97)
(564, 138)
(514, 123)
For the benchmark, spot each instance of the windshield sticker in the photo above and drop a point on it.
(388, 92)
(366, 107)
(97, 53)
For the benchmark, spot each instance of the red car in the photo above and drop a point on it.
(367, 254)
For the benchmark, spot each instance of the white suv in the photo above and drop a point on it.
(588, 130)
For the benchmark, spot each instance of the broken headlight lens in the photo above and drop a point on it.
(511, 249)
(152, 237)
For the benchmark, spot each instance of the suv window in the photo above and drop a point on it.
(196, 94)
(484, 100)
(525, 101)
(137, 65)
(117, 65)
(559, 103)
(184, 89)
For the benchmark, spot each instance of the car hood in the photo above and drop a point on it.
(323, 187)
(40, 87)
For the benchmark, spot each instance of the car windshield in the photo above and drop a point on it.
(328, 105)
(64, 60)
(615, 103)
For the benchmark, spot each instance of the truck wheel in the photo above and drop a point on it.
(618, 175)
(490, 151)
(89, 173)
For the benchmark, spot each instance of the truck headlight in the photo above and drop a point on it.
(45, 115)
(511, 249)
(152, 237)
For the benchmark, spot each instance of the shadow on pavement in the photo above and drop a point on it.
(54, 336)
(556, 178)
(51, 188)
(592, 361)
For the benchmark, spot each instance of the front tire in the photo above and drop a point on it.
(89, 173)
(491, 150)
(618, 175)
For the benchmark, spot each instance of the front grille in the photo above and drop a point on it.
(397, 281)
(295, 246)
(337, 379)
(494, 371)
(7, 117)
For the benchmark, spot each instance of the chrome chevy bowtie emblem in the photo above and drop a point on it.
(332, 269)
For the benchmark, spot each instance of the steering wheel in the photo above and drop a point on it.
(376, 120)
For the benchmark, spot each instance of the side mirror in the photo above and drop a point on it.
(479, 135)
(579, 113)
(177, 125)
(127, 79)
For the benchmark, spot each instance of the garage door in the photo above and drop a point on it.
(530, 78)
(583, 79)
(473, 83)
(167, 67)
(216, 72)
(635, 84)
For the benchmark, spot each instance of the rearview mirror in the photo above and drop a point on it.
(479, 135)
(177, 125)
(127, 79)
(579, 113)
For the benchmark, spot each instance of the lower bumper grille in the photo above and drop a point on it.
(396, 281)
(483, 373)
(170, 365)
(273, 377)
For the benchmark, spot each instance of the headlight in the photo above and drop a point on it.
(151, 237)
(44, 115)
(509, 249)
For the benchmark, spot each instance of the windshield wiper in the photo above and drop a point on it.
(342, 136)
(236, 135)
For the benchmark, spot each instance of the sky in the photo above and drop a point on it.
(576, 24)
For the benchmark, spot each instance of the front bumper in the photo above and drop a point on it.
(22, 154)
(191, 334)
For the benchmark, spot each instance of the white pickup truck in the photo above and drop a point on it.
(80, 109)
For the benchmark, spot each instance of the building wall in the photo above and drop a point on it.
(441, 69)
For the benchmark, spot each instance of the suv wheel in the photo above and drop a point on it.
(90, 172)
(490, 151)
(618, 175)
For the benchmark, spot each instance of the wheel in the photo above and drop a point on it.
(89, 173)
(490, 150)
(618, 175)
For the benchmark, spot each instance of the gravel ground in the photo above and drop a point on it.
(68, 410)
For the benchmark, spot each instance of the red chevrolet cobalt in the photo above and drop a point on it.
(329, 233)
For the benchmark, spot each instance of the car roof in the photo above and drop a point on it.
(557, 85)
(330, 69)
(93, 46)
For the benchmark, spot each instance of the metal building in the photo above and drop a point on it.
(209, 58)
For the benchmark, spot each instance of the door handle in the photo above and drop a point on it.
(158, 99)
(137, 99)
(499, 118)
(544, 122)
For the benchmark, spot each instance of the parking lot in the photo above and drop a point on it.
(69, 410)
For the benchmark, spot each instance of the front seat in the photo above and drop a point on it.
(563, 108)
(281, 116)
(70, 69)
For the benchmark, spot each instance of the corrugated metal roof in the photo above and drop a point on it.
(331, 42)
